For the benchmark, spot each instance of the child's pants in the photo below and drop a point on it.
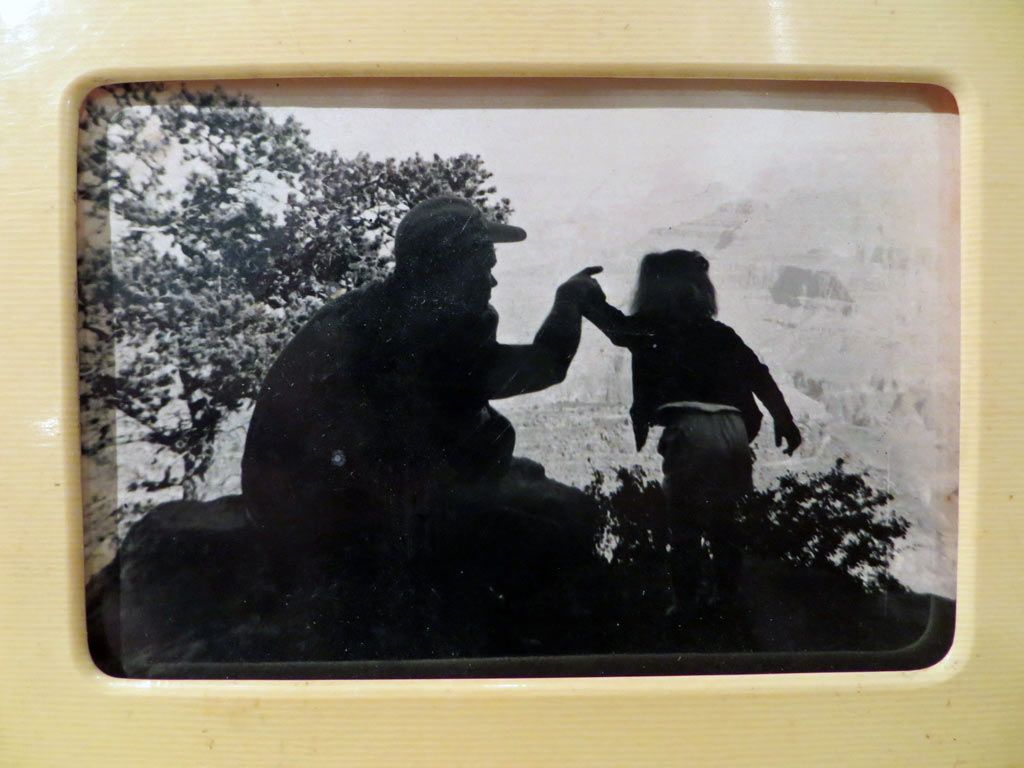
(708, 466)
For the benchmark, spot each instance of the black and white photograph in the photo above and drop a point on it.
(506, 378)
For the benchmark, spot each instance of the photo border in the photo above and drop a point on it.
(58, 708)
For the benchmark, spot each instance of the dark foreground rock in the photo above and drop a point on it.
(198, 591)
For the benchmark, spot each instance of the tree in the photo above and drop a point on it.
(209, 231)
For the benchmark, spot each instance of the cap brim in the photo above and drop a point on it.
(504, 233)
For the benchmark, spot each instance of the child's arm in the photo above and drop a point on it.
(618, 327)
(785, 427)
(622, 331)
(767, 391)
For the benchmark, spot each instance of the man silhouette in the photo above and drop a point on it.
(378, 411)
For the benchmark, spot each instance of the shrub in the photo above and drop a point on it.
(833, 521)
(634, 513)
(830, 520)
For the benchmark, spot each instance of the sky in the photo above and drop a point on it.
(591, 169)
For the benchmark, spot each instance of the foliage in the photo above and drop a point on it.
(831, 520)
(209, 231)
(834, 521)
(633, 588)
(634, 514)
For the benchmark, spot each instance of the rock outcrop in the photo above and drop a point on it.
(198, 591)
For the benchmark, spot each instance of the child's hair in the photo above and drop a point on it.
(674, 286)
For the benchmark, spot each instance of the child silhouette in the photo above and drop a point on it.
(696, 377)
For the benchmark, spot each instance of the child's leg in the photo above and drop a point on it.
(707, 468)
(686, 561)
(679, 448)
(735, 481)
(726, 558)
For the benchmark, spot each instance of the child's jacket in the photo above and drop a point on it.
(701, 360)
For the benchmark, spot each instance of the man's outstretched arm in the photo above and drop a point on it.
(517, 369)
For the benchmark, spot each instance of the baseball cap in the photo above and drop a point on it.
(434, 226)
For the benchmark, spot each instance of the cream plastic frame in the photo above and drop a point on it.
(56, 708)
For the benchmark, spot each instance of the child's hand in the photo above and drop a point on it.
(582, 289)
(789, 432)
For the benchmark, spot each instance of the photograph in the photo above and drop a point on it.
(536, 377)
